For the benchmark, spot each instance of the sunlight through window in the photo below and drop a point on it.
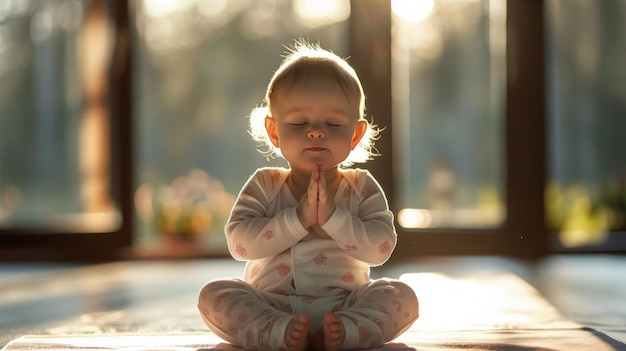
(200, 67)
(412, 11)
(162, 8)
(481, 300)
(315, 13)
(414, 218)
(448, 78)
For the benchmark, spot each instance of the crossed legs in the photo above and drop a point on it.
(366, 318)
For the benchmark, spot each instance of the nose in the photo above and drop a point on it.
(316, 133)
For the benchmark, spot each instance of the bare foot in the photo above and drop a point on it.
(297, 335)
(329, 336)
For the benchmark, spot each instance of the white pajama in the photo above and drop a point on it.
(291, 271)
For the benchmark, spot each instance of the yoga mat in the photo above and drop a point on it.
(478, 311)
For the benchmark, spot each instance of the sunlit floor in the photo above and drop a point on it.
(467, 295)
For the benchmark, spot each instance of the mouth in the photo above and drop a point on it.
(315, 148)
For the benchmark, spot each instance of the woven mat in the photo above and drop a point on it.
(487, 311)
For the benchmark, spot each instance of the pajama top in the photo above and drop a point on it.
(283, 258)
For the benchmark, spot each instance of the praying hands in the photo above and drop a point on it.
(316, 206)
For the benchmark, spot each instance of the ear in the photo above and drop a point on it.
(272, 132)
(359, 131)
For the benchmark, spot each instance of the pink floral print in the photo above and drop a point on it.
(241, 250)
(268, 234)
(384, 247)
(283, 269)
(320, 259)
(348, 277)
(350, 247)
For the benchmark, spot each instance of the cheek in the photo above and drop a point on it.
(287, 134)
(345, 136)
(289, 137)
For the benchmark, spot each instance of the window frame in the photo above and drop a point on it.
(46, 243)
(524, 232)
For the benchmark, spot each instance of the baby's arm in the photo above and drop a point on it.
(369, 237)
(252, 233)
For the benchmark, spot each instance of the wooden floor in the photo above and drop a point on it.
(160, 296)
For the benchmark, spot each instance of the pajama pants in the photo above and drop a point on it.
(257, 320)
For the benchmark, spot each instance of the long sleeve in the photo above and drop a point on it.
(281, 256)
(369, 235)
(254, 230)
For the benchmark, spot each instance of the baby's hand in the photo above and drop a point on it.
(325, 203)
(316, 207)
(307, 208)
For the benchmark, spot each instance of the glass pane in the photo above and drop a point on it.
(54, 134)
(586, 193)
(448, 112)
(201, 66)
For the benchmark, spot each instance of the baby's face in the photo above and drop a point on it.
(314, 123)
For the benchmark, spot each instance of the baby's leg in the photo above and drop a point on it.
(377, 313)
(243, 315)
(329, 336)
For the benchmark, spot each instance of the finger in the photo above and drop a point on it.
(307, 207)
(316, 191)
(322, 192)
(321, 178)
(312, 191)
(326, 204)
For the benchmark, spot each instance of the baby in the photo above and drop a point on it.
(309, 233)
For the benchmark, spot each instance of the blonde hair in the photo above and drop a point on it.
(305, 61)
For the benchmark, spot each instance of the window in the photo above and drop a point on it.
(586, 89)
(125, 122)
(499, 205)
(200, 67)
(62, 173)
(449, 98)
